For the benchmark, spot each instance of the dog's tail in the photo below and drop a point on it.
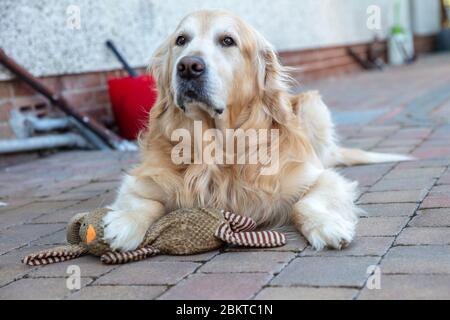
(350, 157)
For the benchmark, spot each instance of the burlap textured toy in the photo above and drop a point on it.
(181, 232)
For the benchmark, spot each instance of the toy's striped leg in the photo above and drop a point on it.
(128, 256)
(58, 254)
(239, 223)
(261, 239)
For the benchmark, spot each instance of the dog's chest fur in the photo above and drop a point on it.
(235, 188)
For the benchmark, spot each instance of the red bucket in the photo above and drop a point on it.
(131, 100)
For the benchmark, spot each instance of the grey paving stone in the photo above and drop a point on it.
(97, 186)
(38, 289)
(403, 184)
(148, 272)
(306, 293)
(410, 287)
(415, 173)
(325, 271)
(430, 163)
(419, 236)
(222, 286)
(380, 226)
(31, 211)
(361, 246)
(409, 196)
(417, 259)
(248, 261)
(392, 142)
(366, 175)
(118, 293)
(11, 266)
(440, 190)
(18, 236)
(436, 201)
(431, 218)
(389, 209)
(56, 238)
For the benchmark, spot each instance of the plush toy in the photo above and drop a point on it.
(181, 232)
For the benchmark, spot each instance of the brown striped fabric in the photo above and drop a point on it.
(259, 239)
(48, 257)
(239, 223)
(128, 256)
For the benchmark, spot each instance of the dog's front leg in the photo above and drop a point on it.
(132, 214)
(326, 215)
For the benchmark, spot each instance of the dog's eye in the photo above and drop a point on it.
(181, 41)
(228, 42)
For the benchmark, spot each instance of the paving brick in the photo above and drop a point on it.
(329, 271)
(11, 266)
(431, 218)
(414, 196)
(38, 289)
(380, 226)
(415, 173)
(224, 286)
(29, 212)
(445, 179)
(389, 210)
(97, 186)
(306, 293)
(118, 293)
(437, 201)
(56, 238)
(403, 184)
(410, 287)
(428, 163)
(392, 142)
(363, 143)
(148, 273)
(18, 236)
(361, 246)
(248, 261)
(419, 236)
(417, 259)
(366, 175)
(440, 190)
(412, 133)
(430, 152)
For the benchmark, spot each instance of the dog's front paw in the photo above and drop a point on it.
(336, 233)
(123, 230)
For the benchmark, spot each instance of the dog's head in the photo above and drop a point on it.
(214, 60)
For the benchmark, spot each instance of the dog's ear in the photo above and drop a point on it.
(273, 81)
(160, 69)
(159, 65)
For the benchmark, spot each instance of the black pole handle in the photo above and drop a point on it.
(122, 60)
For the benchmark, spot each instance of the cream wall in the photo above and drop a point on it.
(35, 32)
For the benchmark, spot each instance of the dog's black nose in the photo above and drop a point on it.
(191, 67)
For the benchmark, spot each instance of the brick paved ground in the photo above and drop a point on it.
(405, 232)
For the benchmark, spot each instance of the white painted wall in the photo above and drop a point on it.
(426, 16)
(35, 32)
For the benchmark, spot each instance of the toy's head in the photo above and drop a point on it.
(86, 229)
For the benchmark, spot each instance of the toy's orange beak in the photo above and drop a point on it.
(90, 236)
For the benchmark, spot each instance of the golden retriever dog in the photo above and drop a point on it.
(217, 71)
